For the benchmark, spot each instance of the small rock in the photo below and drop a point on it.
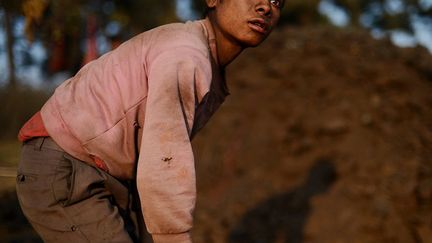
(375, 100)
(424, 190)
(381, 205)
(424, 233)
(334, 127)
(366, 119)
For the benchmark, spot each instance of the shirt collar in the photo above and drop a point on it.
(209, 33)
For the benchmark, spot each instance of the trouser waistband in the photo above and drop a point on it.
(44, 142)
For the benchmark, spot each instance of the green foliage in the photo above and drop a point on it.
(17, 106)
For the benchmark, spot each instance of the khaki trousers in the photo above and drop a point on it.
(67, 200)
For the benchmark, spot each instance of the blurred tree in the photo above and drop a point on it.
(384, 14)
(199, 6)
(62, 25)
(11, 8)
(146, 14)
(33, 10)
(64, 30)
(355, 8)
(10, 43)
(301, 12)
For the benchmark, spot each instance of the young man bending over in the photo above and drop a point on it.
(127, 119)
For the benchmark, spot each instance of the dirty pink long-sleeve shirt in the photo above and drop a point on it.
(142, 103)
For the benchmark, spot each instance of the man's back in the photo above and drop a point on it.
(104, 105)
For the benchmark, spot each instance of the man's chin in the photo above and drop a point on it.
(253, 42)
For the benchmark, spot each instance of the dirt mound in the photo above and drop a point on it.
(362, 106)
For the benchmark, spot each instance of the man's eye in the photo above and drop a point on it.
(276, 3)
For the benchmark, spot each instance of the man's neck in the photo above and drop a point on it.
(227, 48)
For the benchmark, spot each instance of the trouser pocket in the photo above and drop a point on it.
(78, 181)
(36, 176)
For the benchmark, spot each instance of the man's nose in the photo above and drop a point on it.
(263, 8)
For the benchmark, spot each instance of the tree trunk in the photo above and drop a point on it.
(10, 44)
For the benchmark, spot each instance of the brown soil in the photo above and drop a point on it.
(326, 137)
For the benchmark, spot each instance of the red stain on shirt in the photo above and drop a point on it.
(33, 128)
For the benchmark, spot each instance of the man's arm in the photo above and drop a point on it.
(166, 171)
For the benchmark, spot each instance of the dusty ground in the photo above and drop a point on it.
(326, 137)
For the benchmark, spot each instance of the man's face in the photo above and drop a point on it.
(246, 22)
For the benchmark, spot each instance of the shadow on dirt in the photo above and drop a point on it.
(282, 217)
(14, 226)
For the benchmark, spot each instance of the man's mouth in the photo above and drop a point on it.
(259, 25)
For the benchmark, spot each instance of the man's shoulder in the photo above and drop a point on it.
(175, 35)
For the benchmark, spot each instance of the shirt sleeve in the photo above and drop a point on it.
(166, 170)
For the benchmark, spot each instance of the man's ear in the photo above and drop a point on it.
(211, 3)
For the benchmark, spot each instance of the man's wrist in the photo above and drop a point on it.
(170, 238)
